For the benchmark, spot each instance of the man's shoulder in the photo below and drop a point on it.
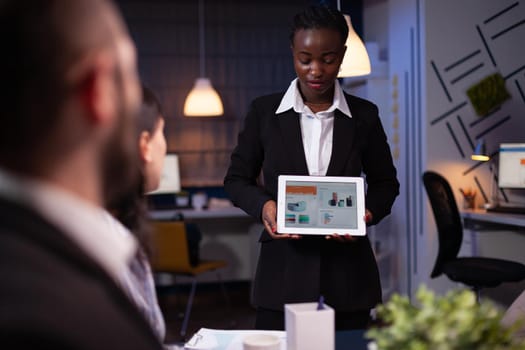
(68, 313)
(40, 253)
(53, 297)
(33, 247)
(52, 292)
(24, 231)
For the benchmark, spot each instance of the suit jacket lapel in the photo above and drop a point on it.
(292, 140)
(342, 141)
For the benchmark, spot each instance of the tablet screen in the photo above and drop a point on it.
(321, 205)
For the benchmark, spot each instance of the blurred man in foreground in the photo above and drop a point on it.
(69, 95)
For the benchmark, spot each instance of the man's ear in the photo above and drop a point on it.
(97, 88)
(145, 147)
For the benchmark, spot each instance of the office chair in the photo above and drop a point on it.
(475, 272)
(171, 256)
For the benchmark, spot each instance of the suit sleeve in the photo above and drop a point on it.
(246, 160)
(378, 166)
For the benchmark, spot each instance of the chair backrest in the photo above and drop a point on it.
(170, 247)
(448, 220)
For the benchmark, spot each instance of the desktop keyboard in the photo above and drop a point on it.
(507, 210)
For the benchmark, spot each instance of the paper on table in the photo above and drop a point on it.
(218, 339)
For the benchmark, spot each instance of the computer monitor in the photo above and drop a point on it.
(165, 197)
(511, 171)
(170, 178)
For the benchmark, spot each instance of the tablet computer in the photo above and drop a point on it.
(321, 205)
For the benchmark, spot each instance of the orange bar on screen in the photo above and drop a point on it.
(301, 190)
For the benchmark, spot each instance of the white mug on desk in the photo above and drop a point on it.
(199, 200)
(261, 342)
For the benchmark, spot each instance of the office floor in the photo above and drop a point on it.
(209, 310)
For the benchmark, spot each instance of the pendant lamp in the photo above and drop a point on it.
(203, 100)
(356, 61)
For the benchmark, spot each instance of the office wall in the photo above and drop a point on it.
(437, 49)
(247, 54)
(375, 25)
(467, 41)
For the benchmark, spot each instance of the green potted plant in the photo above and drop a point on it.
(488, 94)
(451, 322)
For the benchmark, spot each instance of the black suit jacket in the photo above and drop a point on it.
(52, 295)
(300, 270)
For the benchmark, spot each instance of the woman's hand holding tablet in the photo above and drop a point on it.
(269, 217)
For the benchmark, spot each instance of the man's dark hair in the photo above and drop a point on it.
(317, 17)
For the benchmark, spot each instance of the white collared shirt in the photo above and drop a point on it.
(316, 128)
(84, 223)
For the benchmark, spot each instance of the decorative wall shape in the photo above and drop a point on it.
(467, 41)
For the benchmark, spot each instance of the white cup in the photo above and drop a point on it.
(261, 342)
(199, 200)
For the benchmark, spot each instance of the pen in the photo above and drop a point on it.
(320, 304)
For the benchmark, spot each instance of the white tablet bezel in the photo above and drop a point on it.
(359, 202)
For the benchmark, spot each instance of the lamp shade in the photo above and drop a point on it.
(203, 100)
(480, 152)
(356, 61)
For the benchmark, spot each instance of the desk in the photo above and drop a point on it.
(232, 339)
(478, 219)
(191, 214)
(497, 235)
(227, 234)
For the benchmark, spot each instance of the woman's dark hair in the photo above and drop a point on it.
(150, 111)
(317, 17)
(131, 209)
